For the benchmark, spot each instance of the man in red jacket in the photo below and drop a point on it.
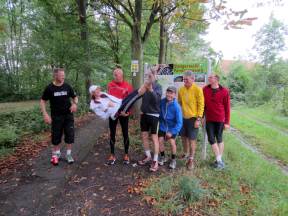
(217, 112)
(120, 89)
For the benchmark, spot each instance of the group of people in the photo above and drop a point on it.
(164, 119)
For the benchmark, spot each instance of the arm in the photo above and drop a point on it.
(73, 107)
(200, 103)
(46, 117)
(179, 121)
(227, 109)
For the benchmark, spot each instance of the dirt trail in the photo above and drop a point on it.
(86, 187)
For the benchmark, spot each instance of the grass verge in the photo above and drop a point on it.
(265, 113)
(268, 140)
(248, 186)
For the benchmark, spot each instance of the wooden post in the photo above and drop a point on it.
(205, 138)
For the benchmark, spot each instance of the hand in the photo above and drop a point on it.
(226, 126)
(124, 114)
(197, 123)
(73, 108)
(150, 87)
(168, 136)
(47, 118)
(203, 121)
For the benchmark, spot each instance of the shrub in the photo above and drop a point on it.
(190, 189)
(8, 136)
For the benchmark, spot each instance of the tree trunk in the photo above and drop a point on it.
(161, 57)
(166, 47)
(136, 44)
(86, 69)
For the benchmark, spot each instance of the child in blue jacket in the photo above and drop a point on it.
(171, 121)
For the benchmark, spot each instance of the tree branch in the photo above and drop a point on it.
(124, 18)
(131, 8)
(151, 21)
(130, 12)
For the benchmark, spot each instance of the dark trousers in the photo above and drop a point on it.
(129, 101)
(124, 126)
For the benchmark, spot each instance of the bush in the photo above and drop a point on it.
(25, 121)
(190, 189)
(8, 136)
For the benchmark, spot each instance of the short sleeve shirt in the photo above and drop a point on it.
(59, 98)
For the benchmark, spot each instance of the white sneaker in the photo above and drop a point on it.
(172, 164)
(162, 160)
(69, 158)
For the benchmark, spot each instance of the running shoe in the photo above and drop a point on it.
(220, 165)
(190, 164)
(111, 160)
(162, 160)
(69, 158)
(144, 161)
(154, 166)
(172, 164)
(126, 159)
(184, 157)
(54, 160)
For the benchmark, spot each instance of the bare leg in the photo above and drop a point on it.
(156, 143)
(221, 148)
(145, 140)
(161, 144)
(173, 146)
(192, 147)
(215, 149)
(55, 148)
(185, 143)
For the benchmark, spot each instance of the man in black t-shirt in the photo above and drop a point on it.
(62, 120)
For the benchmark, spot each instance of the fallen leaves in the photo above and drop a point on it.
(150, 200)
(244, 189)
(29, 148)
(214, 203)
(77, 179)
(138, 187)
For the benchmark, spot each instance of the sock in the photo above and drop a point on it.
(68, 152)
(218, 158)
(57, 152)
(162, 154)
(155, 158)
(148, 153)
(173, 156)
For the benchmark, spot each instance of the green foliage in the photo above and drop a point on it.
(25, 121)
(8, 136)
(238, 81)
(270, 41)
(285, 101)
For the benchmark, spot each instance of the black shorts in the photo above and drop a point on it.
(149, 123)
(188, 130)
(163, 134)
(62, 124)
(214, 132)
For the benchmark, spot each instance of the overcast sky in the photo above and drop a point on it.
(236, 43)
